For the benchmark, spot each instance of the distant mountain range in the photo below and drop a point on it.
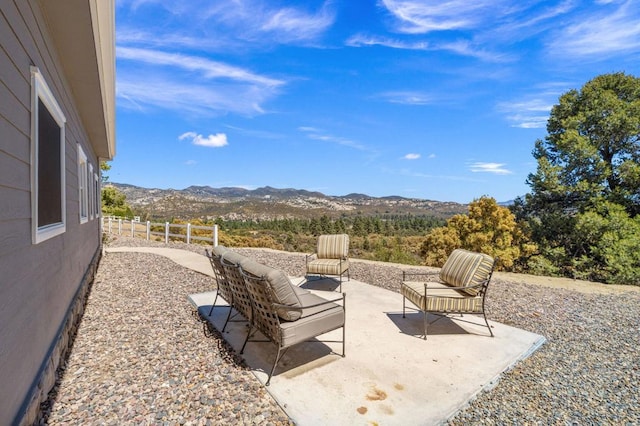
(271, 203)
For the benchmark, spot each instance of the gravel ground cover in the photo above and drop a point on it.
(141, 355)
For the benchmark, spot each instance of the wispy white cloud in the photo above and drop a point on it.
(308, 129)
(485, 17)
(532, 111)
(474, 50)
(212, 141)
(183, 97)
(482, 28)
(209, 69)
(408, 97)
(612, 29)
(531, 114)
(460, 47)
(411, 156)
(150, 78)
(259, 22)
(419, 17)
(190, 163)
(319, 135)
(495, 168)
(359, 40)
(291, 24)
(221, 25)
(522, 20)
(181, 38)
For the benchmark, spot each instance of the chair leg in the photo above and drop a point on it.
(275, 363)
(214, 303)
(487, 322)
(403, 306)
(246, 340)
(425, 325)
(227, 320)
(344, 325)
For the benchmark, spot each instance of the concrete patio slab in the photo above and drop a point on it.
(390, 375)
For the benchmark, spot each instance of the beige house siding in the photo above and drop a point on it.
(42, 286)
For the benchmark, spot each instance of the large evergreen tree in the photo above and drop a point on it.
(589, 158)
(592, 150)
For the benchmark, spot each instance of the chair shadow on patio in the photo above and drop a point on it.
(322, 284)
(441, 325)
(296, 360)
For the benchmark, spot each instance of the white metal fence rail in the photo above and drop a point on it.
(166, 230)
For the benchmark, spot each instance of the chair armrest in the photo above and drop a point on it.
(426, 287)
(299, 309)
(406, 275)
(308, 257)
(465, 287)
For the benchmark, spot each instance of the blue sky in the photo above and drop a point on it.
(439, 100)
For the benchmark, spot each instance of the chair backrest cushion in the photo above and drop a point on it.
(231, 256)
(219, 250)
(465, 268)
(335, 246)
(279, 283)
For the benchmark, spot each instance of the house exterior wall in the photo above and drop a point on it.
(42, 286)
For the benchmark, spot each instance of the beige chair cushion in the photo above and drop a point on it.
(280, 283)
(219, 250)
(231, 256)
(464, 268)
(334, 246)
(325, 318)
(300, 291)
(440, 298)
(327, 266)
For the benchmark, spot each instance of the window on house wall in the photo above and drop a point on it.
(83, 196)
(97, 194)
(48, 211)
(90, 191)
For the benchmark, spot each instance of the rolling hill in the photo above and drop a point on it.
(232, 203)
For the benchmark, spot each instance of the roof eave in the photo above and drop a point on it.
(84, 35)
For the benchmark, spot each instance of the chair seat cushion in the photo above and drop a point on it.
(440, 298)
(300, 291)
(327, 266)
(464, 268)
(283, 290)
(313, 322)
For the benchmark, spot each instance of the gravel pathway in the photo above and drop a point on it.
(141, 356)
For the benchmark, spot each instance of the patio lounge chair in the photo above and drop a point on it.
(462, 287)
(240, 299)
(223, 289)
(287, 317)
(331, 257)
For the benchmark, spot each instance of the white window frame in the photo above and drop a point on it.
(97, 194)
(91, 193)
(40, 92)
(83, 190)
(90, 190)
